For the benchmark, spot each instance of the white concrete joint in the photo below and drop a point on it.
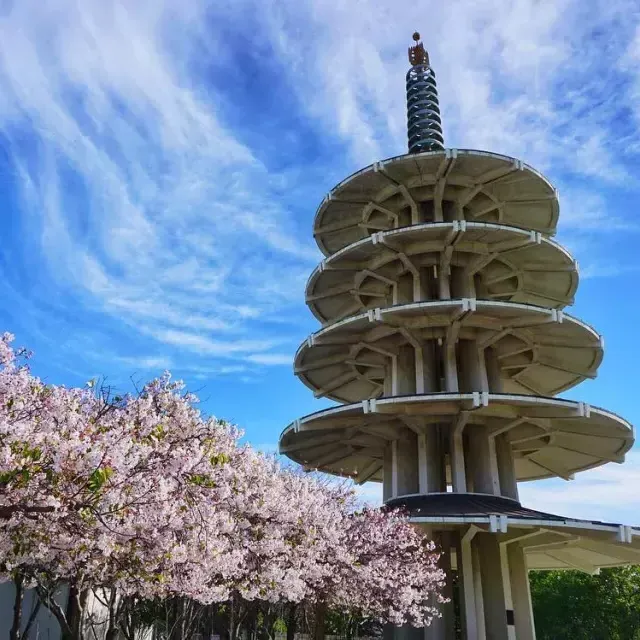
(503, 523)
(484, 398)
(296, 426)
(493, 523)
(560, 315)
(476, 398)
(373, 408)
(377, 314)
(365, 406)
(584, 410)
(370, 316)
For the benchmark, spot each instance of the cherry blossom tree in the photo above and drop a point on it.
(143, 496)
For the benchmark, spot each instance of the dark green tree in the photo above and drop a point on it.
(570, 605)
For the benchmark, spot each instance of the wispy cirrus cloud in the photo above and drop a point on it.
(168, 159)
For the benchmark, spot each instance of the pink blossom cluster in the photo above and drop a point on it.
(145, 494)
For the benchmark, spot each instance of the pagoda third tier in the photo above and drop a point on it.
(438, 186)
(449, 345)
(442, 260)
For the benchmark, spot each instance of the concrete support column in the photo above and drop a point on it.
(506, 586)
(430, 381)
(405, 465)
(404, 371)
(462, 285)
(404, 289)
(443, 628)
(387, 472)
(520, 593)
(506, 467)
(494, 375)
(471, 629)
(480, 455)
(444, 285)
(477, 589)
(450, 368)
(495, 614)
(428, 284)
(472, 372)
(457, 456)
(431, 466)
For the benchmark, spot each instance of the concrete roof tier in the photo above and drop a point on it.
(539, 351)
(505, 263)
(549, 437)
(550, 541)
(437, 186)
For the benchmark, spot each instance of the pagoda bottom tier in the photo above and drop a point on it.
(488, 544)
(481, 442)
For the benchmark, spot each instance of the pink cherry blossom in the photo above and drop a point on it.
(145, 495)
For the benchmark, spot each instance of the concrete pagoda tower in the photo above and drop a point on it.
(445, 340)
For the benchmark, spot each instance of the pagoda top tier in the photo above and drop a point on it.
(435, 186)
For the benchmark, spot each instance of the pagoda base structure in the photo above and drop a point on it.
(445, 340)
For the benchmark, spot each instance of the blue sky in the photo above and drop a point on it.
(161, 163)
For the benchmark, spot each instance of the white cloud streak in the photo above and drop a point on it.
(160, 193)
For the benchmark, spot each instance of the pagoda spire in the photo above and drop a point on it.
(424, 126)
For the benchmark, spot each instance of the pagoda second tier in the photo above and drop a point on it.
(448, 346)
(442, 260)
(437, 186)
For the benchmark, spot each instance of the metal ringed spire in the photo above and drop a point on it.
(424, 125)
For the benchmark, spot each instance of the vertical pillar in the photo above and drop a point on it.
(506, 467)
(450, 368)
(466, 586)
(404, 289)
(493, 370)
(404, 371)
(432, 478)
(481, 456)
(477, 588)
(520, 592)
(495, 614)
(405, 465)
(444, 285)
(387, 473)
(462, 285)
(473, 373)
(506, 587)
(430, 382)
(443, 628)
(428, 284)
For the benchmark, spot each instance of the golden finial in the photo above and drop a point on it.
(417, 54)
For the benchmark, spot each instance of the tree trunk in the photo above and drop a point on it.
(320, 618)
(74, 614)
(18, 601)
(112, 630)
(47, 599)
(292, 620)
